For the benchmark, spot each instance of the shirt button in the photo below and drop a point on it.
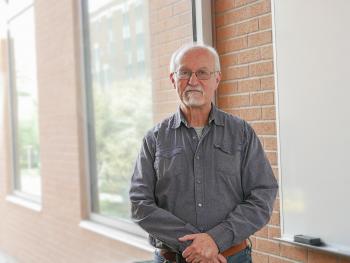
(200, 204)
(198, 181)
(197, 157)
(194, 137)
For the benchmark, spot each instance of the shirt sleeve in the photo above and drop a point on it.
(259, 188)
(159, 223)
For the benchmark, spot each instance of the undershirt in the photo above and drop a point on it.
(199, 131)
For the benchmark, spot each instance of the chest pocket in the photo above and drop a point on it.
(227, 160)
(169, 161)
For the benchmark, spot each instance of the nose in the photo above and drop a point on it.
(193, 80)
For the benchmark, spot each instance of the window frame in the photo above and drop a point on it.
(13, 13)
(89, 135)
(200, 20)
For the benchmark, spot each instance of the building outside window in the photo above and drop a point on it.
(119, 106)
(24, 100)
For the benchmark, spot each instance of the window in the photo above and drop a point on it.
(119, 106)
(24, 103)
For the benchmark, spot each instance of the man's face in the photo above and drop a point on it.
(194, 92)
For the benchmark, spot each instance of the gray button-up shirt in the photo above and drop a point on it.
(221, 184)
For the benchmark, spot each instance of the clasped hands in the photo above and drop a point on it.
(202, 250)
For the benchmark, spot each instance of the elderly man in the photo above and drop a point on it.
(202, 184)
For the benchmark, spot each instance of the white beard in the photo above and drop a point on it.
(193, 98)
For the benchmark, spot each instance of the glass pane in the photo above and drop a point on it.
(121, 96)
(25, 103)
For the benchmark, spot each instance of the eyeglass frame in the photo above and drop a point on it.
(195, 73)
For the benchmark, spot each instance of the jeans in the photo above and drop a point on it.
(242, 257)
(245, 256)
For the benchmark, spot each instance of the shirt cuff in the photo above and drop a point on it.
(222, 237)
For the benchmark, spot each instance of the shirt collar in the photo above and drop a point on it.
(214, 116)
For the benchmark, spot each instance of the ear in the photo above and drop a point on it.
(172, 78)
(217, 79)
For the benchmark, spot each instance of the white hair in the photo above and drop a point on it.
(191, 46)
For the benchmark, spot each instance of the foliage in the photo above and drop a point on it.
(123, 114)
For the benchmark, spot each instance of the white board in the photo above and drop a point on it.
(312, 56)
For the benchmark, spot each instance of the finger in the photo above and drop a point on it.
(187, 252)
(187, 237)
(222, 259)
(196, 260)
(191, 258)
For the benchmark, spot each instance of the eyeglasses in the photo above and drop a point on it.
(201, 74)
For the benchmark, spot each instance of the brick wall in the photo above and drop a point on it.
(243, 33)
(53, 234)
(171, 27)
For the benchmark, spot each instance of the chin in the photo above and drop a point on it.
(194, 103)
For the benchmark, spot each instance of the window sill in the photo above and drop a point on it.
(121, 236)
(24, 202)
(324, 248)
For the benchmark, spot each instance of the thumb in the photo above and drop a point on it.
(187, 237)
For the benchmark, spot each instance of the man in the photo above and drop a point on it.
(202, 184)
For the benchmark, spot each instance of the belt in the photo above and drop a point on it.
(235, 249)
(171, 256)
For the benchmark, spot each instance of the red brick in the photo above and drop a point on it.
(260, 69)
(262, 98)
(223, 5)
(270, 143)
(247, 56)
(227, 88)
(260, 8)
(219, 20)
(235, 73)
(182, 7)
(262, 232)
(232, 44)
(228, 60)
(267, 83)
(260, 38)
(239, 3)
(275, 219)
(228, 102)
(248, 85)
(273, 259)
(265, 128)
(253, 240)
(235, 30)
(259, 258)
(249, 114)
(274, 232)
(244, 13)
(276, 205)
(294, 252)
(344, 260)
(320, 257)
(239, 100)
(223, 102)
(268, 246)
(266, 52)
(164, 13)
(265, 22)
(269, 113)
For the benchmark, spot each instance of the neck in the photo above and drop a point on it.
(196, 116)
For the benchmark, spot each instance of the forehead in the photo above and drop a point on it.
(196, 58)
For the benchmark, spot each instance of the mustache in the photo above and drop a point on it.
(191, 88)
